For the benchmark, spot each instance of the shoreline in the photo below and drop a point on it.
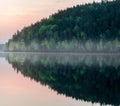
(65, 53)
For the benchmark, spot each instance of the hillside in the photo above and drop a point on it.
(83, 28)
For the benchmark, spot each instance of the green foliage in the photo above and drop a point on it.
(96, 22)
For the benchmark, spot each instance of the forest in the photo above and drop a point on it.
(92, 27)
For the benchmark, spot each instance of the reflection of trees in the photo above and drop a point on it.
(2, 55)
(88, 78)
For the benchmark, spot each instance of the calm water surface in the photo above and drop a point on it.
(59, 80)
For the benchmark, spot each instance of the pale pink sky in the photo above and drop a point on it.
(16, 90)
(15, 14)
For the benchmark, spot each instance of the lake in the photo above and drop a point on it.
(42, 79)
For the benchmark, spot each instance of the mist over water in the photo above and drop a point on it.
(108, 59)
(77, 79)
(74, 46)
(71, 58)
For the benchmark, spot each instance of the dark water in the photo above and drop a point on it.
(59, 79)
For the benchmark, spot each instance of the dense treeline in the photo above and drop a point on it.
(89, 27)
(89, 78)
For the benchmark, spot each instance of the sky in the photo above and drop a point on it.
(17, 14)
(17, 90)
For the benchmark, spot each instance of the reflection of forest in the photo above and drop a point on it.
(89, 78)
(2, 54)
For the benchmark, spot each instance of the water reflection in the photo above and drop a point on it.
(2, 55)
(93, 78)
